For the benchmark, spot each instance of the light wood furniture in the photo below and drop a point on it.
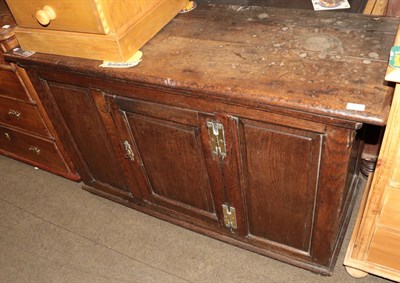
(26, 132)
(238, 127)
(111, 30)
(390, 8)
(375, 243)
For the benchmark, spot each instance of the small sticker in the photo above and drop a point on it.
(355, 106)
(394, 59)
(320, 5)
(132, 62)
(22, 52)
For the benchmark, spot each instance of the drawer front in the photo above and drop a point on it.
(81, 16)
(22, 115)
(35, 149)
(11, 86)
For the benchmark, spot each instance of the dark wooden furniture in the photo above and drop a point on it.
(26, 132)
(236, 124)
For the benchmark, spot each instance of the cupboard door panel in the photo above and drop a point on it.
(172, 156)
(281, 170)
(170, 160)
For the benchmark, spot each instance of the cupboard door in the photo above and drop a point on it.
(86, 138)
(168, 157)
(280, 172)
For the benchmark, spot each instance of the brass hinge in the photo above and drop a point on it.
(229, 216)
(128, 151)
(217, 138)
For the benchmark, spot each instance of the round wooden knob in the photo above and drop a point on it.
(45, 15)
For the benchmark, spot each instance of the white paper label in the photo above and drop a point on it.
(355, 106)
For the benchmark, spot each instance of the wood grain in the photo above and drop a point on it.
(374, 246)
(82, 16)
(22, 115)
(84, 123)
(280, 198)
(259, 63)
(376, 7)
(96, 29)
(291, 163)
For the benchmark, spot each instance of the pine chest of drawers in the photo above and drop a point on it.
(110, 30)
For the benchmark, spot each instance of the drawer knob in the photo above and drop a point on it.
(34, 149)
(14, 113)
(45, 15)
(7, 136)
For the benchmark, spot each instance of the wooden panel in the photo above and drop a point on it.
(390, 214)
(375, 244)
(22, 115)
(91, 46)
(124, 12)
(395, 179)
(150, 23)
(80, 16)
(173, 160)
(170, 163)
(393, 8)
(376, 7)
(34, 149)
(385, 249)
(11, 86)
(281, 168)
(84, 124)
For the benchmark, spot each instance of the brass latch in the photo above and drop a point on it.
(128, 151)
(217, 138)
(229, 216)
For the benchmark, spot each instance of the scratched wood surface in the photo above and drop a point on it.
(356, 6)
(259, 56)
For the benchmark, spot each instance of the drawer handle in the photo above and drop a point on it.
(14, 113)
(46, 15)
(34, 149)
(7, 136)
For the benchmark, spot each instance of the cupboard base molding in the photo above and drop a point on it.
(229, 238)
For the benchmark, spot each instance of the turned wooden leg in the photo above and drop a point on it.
(356, 273)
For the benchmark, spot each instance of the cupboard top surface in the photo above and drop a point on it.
(326, 63)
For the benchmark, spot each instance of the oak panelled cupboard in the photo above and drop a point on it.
(235, 124)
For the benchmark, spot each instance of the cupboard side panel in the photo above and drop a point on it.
(331, 217)
(80, 113)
